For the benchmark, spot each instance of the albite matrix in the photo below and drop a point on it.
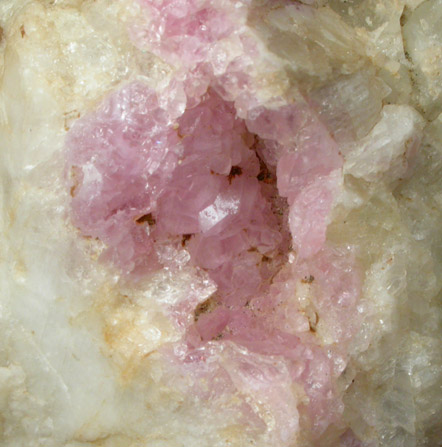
(221, 223)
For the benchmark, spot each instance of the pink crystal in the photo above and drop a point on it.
(247, 189)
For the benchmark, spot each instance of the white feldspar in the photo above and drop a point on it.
(79, 365)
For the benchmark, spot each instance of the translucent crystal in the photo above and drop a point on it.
(221, 223)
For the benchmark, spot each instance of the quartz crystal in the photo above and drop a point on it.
(221, 223)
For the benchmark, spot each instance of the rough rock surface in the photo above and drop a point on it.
(220, 223)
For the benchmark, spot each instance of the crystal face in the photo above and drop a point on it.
(221, 223)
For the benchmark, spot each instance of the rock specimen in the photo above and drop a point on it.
(221, 223)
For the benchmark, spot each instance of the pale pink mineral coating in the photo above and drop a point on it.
(247, 189)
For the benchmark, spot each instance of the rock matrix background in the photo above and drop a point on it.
(221, 223)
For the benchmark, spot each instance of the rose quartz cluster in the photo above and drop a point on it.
(246, 187)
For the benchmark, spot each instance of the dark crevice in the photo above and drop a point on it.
(147, 218)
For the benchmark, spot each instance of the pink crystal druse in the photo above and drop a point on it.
(245, 188)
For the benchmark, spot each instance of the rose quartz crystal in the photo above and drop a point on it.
(245, 185)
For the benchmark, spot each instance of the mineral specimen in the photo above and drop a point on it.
(221, 223)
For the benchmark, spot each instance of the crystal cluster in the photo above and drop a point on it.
(246, 188)
(248, 195)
